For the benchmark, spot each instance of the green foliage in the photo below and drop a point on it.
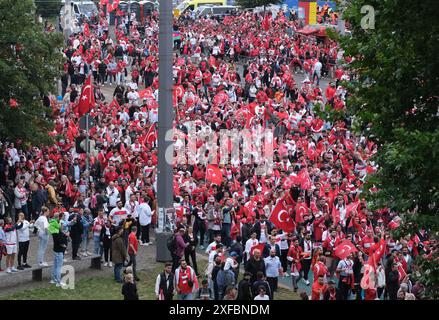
(30, 62)
(394, 96)
(256, 3)
(48, 8)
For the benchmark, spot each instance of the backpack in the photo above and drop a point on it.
(172, 244)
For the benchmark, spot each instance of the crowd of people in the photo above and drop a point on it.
(235, 73)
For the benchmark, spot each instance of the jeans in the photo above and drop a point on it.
(117, 270)
(44, 238)
(185, 296)
(226, 234)
(85, 242)
(97, 245)
(57, 265)
(133, 263)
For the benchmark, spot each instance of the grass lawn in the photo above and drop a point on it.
(104, 288)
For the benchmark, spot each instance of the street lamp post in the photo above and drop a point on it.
(165, 188)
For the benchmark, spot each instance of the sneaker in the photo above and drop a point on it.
(52, 282)
(77, 258)
(143, 244)
(20, 268)
(140, 242)
(14, 269)
(150, 243)
(287, 274)
(89, 253)
(84, 254)
(106, 264)
(8, 270)
(26, 266)
(110, 264)
(43, 264)
(307, 282)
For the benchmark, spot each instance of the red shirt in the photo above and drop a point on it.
(132, 241)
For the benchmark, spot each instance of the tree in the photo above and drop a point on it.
(394, 101)
(48, 8)
(30, 63)
(256, 3)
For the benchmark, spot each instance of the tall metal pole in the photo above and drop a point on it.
(87, 143)
(165, 118)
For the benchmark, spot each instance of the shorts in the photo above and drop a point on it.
(11, 248)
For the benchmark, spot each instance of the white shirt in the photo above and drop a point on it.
(42, 225)
(113, 196)
(249, 244)
(117, 215)
(144, 213)
(264, 297)
(23, 232)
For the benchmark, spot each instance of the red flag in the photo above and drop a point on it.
(146, 94)
(260, 247)
(344, 249)
(394, 224)
(301, 210)
(214, 174)
(376, 253)
(401, 271)
(281, 218)
(86, 30)
(114, 105)
(87, 98)
(123, 151)
(305, 180)
(151, 135)
(353, 206)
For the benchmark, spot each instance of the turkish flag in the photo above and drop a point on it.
(401, 271)
(301, 210)
(376, 253)
(260, 247)
(114, 104)
(146, 94)
(220, 98)
(394, 224)
(344, 249)
(353, 206)
(151, 135)
(305, 180)
(214, 174)
(87, 98)
(281, 218)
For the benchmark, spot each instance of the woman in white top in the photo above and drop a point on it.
(42, 224)
(23, 240)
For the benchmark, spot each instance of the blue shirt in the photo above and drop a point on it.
(272, 266)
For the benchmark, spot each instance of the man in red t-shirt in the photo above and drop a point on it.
(133, 246)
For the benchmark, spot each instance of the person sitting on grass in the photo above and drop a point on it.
(129, 288)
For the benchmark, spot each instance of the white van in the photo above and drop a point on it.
(69, 17)
(215, 11)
